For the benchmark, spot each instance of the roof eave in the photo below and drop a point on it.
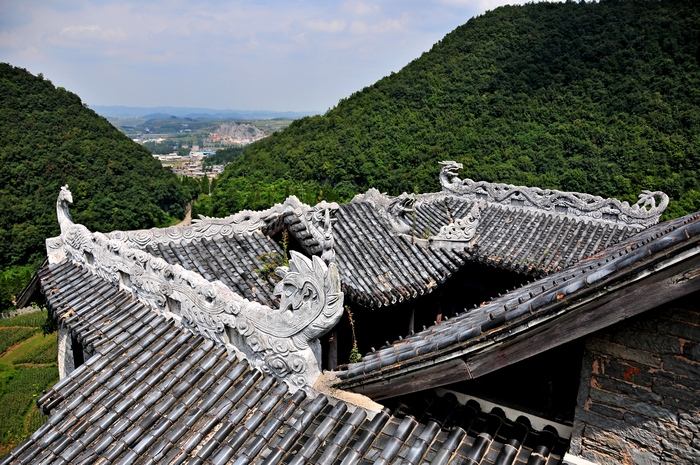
(652, 283)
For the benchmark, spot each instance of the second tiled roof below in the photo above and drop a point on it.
(244, 262)
(522, 239)
(527, 303)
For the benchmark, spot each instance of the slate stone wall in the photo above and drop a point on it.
(639, 398)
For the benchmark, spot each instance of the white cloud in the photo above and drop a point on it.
(92, 31)
(275, 54)
(360, 8)
(391, 25)
(330, 25)
(359, 27)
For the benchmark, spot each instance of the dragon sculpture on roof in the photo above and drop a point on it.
(644, 213)
(282, 341)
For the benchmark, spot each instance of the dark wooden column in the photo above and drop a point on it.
(332, 355)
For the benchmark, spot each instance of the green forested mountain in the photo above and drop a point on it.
(594, 97)
(49, 138)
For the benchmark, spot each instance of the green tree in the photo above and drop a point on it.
(49, 138)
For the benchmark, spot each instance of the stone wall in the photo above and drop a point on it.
(19, 311)
(639, 398)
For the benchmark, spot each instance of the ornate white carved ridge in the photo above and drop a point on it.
(318, 220)
(391, 208)
(244, 222)
(462, 229)
(644, 213)
(283, 341)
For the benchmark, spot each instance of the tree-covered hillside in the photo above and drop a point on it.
(49, 138)
(594, 97)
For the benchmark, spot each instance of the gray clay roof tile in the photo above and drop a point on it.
(151, 391)
(188, 400)
(508, 310)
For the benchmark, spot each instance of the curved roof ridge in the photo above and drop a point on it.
(242, 222)
(281, 341)
(644, 213)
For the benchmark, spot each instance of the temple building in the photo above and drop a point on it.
(482, 324)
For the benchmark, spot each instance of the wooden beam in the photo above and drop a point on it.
(650, 293)
(437, 375)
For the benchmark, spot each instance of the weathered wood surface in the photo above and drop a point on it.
(603, 311)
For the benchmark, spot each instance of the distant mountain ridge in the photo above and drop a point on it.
(118, 111)
(597, 97)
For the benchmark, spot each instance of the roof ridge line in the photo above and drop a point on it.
(242, 222)
(646, 212)
(282, 341)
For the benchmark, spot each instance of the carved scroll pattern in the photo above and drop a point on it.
(318, 220)
(644, 213)
(279, 341)
(203, 228)
(462, 229)
(54, 250)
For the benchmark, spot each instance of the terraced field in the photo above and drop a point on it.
(27, 367)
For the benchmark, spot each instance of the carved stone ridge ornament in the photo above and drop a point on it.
(318, 220)
(203, 228)
(397, 211)
(644, 213)
(281, 341)
(462, 229)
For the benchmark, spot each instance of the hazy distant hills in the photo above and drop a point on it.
(193, 112)
(594, 97)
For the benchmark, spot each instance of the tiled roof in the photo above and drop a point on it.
(379, 267)
(394, 249)
(382, 252)
(238, 260)
(481, 328)
(299, 231)
(154, 392)
(525, 240)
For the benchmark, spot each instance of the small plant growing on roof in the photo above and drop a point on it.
(355, 355)
(272, 260)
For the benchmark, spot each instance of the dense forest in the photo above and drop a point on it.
(594, 97)
(223, 156)
(49, 138)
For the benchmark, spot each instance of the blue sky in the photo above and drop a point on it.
(298, 55)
